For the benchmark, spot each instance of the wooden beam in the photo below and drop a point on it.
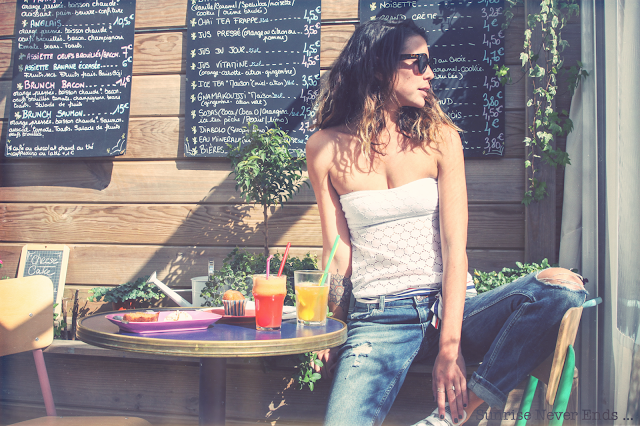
(164, 52)
(188, 181)
(170, 13)
(176, 265)
(496, 226)
(7, 17)
(161, 138)
(148, 101)
(6, 59)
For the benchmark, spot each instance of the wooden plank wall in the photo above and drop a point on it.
(155, 210)
(93, 381)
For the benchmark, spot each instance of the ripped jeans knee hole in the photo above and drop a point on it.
(562, 277)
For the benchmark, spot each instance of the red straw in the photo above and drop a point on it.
(268, 265)
(284, 258)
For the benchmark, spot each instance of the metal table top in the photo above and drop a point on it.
(225, 338)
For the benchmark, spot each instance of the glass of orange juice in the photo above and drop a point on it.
(311, 297)
(269, 296)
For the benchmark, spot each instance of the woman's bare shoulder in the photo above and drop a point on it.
(449, 151)
(328, 140)
(448, 135)
(448, 140)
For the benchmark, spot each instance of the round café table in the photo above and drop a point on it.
(226, 338)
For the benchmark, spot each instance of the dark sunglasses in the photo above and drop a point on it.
(423, 60)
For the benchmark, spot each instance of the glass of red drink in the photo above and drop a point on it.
(269, 297)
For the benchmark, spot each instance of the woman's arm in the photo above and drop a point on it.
(320, 157)
(320, 160)
(449, 369)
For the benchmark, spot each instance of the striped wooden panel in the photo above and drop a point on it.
(147, 100)
(158, 138)
(185, 181)
(259, 390)
(176, 265)
(151, 14)
(496, 226)
(7, 17)
(5, 95)
(6, 59)
(164, 52)
(162, 138)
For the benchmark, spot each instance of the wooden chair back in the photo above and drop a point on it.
(26, 314)
(551, 369)
(26, 324)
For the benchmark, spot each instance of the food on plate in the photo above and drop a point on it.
(178, 316)
(232, 295)
(141, 316)
(234, 303)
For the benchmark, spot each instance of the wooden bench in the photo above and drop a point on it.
(164, 390)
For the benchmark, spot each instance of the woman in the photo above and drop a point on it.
(387, 170)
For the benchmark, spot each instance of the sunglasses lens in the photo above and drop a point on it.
(422, 59)
(423, 63)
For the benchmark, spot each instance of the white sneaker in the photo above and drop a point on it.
(435, 420)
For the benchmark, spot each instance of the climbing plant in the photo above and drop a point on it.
(543, 64)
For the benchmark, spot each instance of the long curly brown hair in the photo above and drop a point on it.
(362, 80)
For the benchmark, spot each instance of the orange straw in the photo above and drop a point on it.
(284, 258)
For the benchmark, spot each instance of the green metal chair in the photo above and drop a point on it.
(557, 370)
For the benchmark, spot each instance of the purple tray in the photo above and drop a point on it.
(200, 320)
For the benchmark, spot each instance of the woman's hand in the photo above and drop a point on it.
(328, 358)
(450, 384)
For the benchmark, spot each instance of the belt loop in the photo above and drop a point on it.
(381, 303)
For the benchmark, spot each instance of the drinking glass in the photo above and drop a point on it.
(269, 296)
(311, 297)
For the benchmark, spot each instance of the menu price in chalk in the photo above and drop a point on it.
(71, 85)
(250, 62)
(466, 41)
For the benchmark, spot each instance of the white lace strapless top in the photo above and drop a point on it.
(395, 238)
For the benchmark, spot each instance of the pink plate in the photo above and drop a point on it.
(200, 320)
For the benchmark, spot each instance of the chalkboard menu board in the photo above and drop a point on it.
(50, 260)
(71, 84)
(466, 40)
(249, 62)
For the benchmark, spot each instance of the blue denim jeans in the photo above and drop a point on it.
(510, 329)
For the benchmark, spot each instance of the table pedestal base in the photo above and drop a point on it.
(213, 389)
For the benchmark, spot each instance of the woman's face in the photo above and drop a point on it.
(411, 87)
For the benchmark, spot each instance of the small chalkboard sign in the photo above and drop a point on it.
(50, 260)
(71, 87)
(466, 41)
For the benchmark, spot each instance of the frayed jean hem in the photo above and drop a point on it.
(486, 391)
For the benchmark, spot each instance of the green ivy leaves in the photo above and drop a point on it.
(140, 290)
(485, 281)
(306, 374)
(542, 64)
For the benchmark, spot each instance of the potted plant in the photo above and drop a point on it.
(265, 172)
(239, 266)
(131, 295)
